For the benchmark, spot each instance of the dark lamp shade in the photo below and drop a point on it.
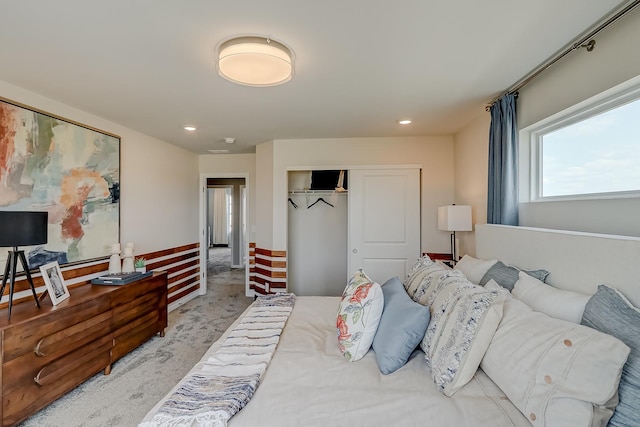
(21, 228)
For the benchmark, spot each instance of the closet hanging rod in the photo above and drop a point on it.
(317, 192)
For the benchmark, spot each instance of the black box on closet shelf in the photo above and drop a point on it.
(327, 180)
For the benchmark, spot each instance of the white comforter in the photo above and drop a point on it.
(309, 383)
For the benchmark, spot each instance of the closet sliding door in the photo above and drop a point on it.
(384, 222)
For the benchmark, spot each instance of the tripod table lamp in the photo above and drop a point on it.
(20, 228)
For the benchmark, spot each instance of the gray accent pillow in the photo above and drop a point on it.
(401, 328)
(507, 276)
(610, 312)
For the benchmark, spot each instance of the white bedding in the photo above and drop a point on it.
(309, 383)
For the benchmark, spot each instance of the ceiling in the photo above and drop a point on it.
(361, 65)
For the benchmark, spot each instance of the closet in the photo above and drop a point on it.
(371, 221)
(317, 235)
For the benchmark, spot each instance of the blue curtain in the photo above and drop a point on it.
(502, 202)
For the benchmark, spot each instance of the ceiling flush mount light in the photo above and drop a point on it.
(404, 122)
(229, 140)
(190, 128)
(255, 61)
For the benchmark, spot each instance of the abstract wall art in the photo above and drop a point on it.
(48, 163)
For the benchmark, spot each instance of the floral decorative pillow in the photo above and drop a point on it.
(358, 316)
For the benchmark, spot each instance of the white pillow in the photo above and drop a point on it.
(464, 317)
(558, 374)
(558, 303)
(358, 316)
(474, 268)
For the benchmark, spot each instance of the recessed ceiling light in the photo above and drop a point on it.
(190, 128)
(405, 122)
(218, 151)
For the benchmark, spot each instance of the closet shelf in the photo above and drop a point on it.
(318, 192)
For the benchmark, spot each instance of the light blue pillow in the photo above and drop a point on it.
(610, 312)
(401, 328)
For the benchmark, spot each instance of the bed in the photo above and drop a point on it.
(308, 382)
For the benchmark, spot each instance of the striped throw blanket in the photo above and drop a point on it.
(225, 382)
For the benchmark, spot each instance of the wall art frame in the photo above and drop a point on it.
(71, 170)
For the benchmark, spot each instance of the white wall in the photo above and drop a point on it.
(471, 175)
(434, 154)
(159, 182)
(576, 78)
(221, 164)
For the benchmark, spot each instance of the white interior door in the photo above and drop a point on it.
(384, 222)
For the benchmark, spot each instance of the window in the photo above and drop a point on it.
(593, 151)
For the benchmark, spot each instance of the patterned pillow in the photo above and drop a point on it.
(610, 312)
(464, 317)
(412, 281)
(430, 277)
(423, 273)
(358, 316)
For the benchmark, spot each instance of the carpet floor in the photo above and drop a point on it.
(141, 378)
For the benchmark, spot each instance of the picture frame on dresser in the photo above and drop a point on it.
(54, 281)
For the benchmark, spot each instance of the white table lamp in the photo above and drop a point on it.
(454, 218)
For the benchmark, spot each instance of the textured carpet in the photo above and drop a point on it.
(141, 378)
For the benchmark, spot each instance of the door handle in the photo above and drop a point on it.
(355, 251)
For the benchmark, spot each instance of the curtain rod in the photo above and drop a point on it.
(583, 41)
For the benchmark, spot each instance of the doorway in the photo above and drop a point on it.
(222, 221)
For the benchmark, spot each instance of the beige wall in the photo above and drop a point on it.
(159, 182)
(433, 154)
(581, 74)
(471, 160)
(264, 196)
(577, 77)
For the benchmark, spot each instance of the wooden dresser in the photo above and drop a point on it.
(47, 352)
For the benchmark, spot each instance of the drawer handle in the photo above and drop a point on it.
(79, 360)
(71, 335)
(37, 349)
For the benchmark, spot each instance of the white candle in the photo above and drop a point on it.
(128, 251)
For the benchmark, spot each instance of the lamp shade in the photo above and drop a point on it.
(255, 61)
(22, 228)
(454, 218)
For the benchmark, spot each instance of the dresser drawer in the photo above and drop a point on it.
(127, 293)
(55, 346)
(48, 382)
(125, 313)
(24, 337)
(131, 336)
